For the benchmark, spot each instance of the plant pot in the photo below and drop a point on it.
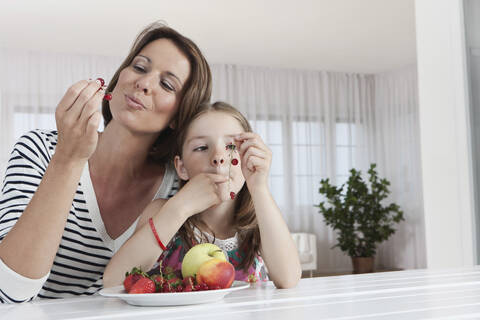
(362, 264)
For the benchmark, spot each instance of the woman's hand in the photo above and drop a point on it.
(78, 118)
(256, 159)
(200, 193)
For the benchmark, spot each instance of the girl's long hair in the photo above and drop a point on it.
(245, 220)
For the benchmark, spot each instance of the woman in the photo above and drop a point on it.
(70, 199)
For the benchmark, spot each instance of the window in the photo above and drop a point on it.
(307, 157)
(345, 150)
(309, 160)
(271, 133)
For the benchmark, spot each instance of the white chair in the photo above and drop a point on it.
(307, 250)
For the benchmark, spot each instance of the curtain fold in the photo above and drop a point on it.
(318, 125)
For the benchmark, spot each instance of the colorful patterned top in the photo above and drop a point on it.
(173, 257)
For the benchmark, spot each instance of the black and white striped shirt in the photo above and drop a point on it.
(85, 248)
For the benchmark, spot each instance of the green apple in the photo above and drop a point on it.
(199, 254)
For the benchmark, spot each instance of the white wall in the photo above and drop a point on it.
(472, 25)
(445, 133)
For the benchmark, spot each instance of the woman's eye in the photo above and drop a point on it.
(201, 148)
(138, 68)
(167, 85)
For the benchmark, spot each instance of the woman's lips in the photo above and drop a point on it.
(134, 103)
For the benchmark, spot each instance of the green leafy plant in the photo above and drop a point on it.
(357, 213)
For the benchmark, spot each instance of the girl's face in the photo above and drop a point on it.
(148, 91)
(204, 151)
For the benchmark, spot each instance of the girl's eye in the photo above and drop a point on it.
(167, 85)
(201, 148)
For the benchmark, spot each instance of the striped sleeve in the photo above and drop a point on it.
(26, 167)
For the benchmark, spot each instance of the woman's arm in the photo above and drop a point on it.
(277, 247)
(30, 246)
(142, 249)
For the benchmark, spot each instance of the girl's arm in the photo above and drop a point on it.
(142, 249)
(278, 249)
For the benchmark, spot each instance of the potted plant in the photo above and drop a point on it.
(358, 215)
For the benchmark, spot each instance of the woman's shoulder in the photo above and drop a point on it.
(36, 146)
(40, 139)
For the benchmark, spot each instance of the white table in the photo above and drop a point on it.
(413, 294)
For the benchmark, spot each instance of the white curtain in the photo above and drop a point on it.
(318, 125)
(32, 84)
(397, 152)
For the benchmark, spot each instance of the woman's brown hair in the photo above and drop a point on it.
(245, 220)
(197, 88)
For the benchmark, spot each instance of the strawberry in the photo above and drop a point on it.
(159, 280)
(188, 281)
(130, 281)
(132, 277)
(166, 287)
(143, 285)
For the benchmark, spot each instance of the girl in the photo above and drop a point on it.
(219, 158)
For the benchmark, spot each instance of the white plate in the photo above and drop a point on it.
(171, 298)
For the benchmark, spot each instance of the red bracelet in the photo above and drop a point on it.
(152, 226)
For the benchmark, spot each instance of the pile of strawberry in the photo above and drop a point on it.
(137, 281)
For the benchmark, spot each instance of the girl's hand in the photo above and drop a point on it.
(256, 159)
(200, 193)
(78, 118)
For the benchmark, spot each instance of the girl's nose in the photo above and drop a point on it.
(218, 160)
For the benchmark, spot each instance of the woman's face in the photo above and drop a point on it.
(204, 150)
(148, 91)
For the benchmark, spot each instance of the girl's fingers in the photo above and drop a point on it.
(217, 178)
(247, 145)
(254, 162)
(253, 151)
(249, 139)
